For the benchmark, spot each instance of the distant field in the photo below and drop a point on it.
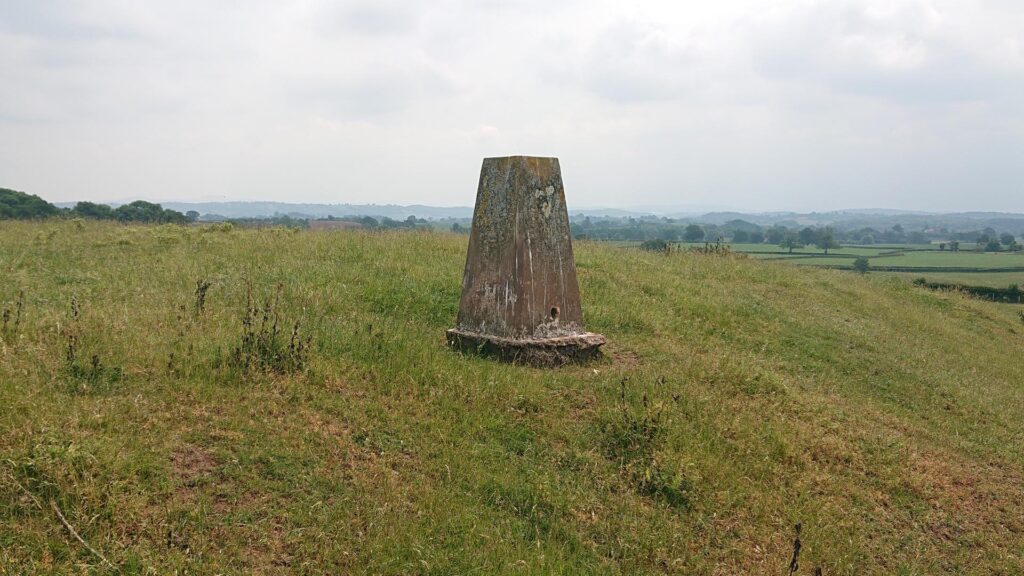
(770, 250)
(921, 260)
(938, 259)
(993, 279)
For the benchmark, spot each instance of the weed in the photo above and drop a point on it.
(1020, 314)
(716, 249)
(201, 287)
(633, 442)
(261, 347)
(8, 325)
(72, 349)
(794, 563)
(95, 374)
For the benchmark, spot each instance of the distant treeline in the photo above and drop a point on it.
(16, 205)
(289, 221)
(742, 231)
(21, 206)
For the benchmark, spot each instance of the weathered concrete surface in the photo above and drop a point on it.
(519, 291)
(534, 351)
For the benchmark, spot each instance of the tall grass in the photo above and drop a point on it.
(886, 420)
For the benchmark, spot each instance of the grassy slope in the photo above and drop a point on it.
(887, 420)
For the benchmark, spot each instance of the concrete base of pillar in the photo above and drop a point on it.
(574, 348)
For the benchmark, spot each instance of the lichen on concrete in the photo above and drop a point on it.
(520, 277)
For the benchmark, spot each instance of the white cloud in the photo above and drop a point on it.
(800, 104)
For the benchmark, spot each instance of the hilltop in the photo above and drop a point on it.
(737, 398)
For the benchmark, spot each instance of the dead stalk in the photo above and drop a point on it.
(74, 533)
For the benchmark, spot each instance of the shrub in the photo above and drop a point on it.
(656, 245)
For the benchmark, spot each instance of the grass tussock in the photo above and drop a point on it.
(737, 399)
(632, 438)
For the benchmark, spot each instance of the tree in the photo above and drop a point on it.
(693, 233)
(866, 235)
(954, 246)
(993, 246)
(917, 238)
(1007, 239)
(22, 206)
(808, 235)
(93, 210)
(942, 246)
(861, 265)
(142, 211)
(826, 239)
(757, 237)
(775, 234)
(791, 240)
(740, 236)
(192, 215)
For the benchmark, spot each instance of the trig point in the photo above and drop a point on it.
(520, 299)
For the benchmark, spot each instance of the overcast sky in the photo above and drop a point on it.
(752, 105)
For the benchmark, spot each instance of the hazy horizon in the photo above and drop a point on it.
(750, 106)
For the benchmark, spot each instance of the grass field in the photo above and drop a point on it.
(971, 268)
(936, 259)
(994, 279)
(737, 398)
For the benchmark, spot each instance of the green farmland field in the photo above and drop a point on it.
(770, 250)
(736, 399)
(998, 269)
(936, 260)
(993, 279)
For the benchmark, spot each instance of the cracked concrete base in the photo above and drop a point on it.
(544, 352)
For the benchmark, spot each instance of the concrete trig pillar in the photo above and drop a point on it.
(520, 298)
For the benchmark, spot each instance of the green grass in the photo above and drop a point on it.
(886, 419)
(776, 251)
(993, 279)
(967, 267)
(938, 259)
